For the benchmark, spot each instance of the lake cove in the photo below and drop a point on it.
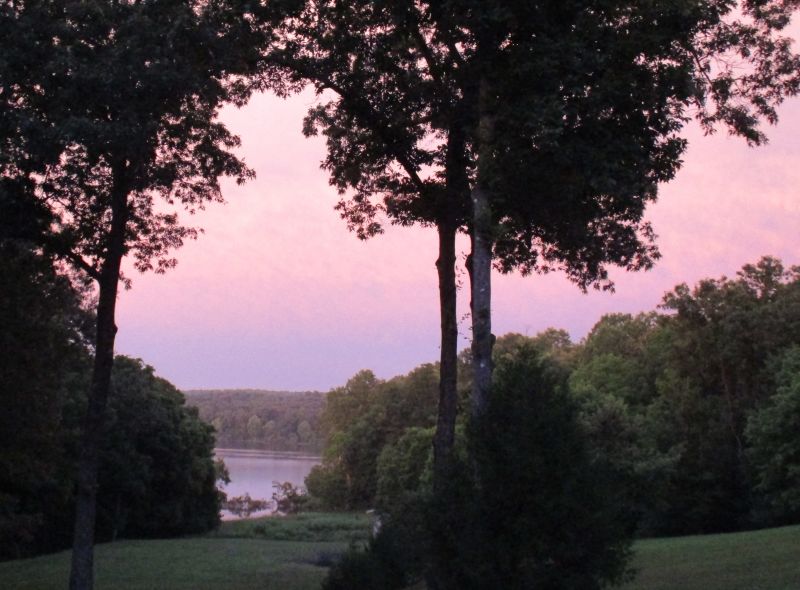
(254, 471)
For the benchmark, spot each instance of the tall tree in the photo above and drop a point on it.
(113, 106)
(382, 110)
(581, 105)
(558, 119)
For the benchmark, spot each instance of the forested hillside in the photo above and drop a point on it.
(157, 476)
(261, 419)
(693, 407)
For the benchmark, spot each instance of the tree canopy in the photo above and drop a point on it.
(544, 129)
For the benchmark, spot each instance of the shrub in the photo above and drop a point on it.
(532, 509)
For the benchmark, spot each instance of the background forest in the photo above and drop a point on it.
(261, 419)
(694, 407)
(157, 474)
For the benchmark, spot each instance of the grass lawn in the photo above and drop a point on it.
(290, 553)
(757, 560)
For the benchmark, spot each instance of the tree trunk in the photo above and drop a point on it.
(82, 573)
(448, 369)
(451, 210)
(481, 262)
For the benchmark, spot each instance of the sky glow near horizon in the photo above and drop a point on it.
(277, 294)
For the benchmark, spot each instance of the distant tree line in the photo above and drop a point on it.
(157, 473)
(261, 419)
(693, 407)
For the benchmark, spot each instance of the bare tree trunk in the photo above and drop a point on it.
(82, 573)
(451, 210)
(448, 368)
(481, 263)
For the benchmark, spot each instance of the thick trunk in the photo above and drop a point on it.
(481, 262)
(480, 274)
(82, 573)
(448, 369)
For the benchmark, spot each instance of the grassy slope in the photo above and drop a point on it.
(758, 560)
(261, 554)
(185, 564)
(290, 554)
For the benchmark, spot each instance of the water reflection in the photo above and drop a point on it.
(253, 471)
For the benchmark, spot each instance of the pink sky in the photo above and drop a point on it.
(278, 295)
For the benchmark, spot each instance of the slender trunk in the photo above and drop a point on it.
(448, 369)
(82, 573)
(481, 262)
(450, 215)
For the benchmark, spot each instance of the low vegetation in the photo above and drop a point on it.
(273, 553)
(238, 558)
(308, 527)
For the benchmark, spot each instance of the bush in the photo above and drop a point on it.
(388, 562)
(288, 498)
(533, 509)
(157, 473)
(529, 506)
(327, 487)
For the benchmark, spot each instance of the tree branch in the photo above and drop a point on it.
(362, 110)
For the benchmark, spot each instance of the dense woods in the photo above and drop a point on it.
(157, 474)
(686, 416)
(260, 419)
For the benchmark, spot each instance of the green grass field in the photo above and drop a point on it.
(277, 553)
(292, 554)
(757, 560)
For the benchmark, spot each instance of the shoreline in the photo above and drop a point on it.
(240, 452)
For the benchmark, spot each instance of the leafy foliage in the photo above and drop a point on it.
(270, 420)
(288, 498)
(244, 506)
(360, 419)
(667, 396)
(774, 444)
(157, 473)
(629, 430)
(113, 107)
(586, 103)
(534, 507)
(43, 368)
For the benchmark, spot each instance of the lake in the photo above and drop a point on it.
(253, 471)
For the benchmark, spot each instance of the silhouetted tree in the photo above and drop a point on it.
(559, 120)
(112, 106)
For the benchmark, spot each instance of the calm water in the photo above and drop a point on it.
(253, 472)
